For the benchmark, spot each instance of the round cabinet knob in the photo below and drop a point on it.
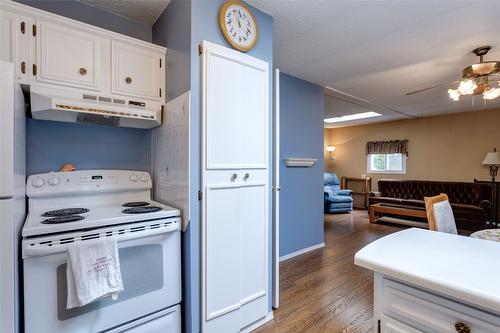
(83, 71)
(133, 177)
(144, 178)
(53, 181)
(233, 177)
(38, 182)
(246, 177)
(128, 79)
(462, 327)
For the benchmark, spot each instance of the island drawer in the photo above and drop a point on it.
(429, 312)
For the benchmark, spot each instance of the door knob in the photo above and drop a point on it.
(233, 177)
(246, 176)
(83, 71)
(462, 327)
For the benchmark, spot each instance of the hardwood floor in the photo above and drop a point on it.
(323, 291)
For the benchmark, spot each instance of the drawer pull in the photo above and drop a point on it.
(233, 177)
(128, 79)
(23, 67)
(83, 71)
(462, 327)
(246, 177)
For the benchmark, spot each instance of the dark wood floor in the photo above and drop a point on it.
(323, 291)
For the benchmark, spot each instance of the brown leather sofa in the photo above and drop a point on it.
(471, 202)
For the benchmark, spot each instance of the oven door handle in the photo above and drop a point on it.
(35, 250)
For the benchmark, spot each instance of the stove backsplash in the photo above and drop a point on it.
(51, 144)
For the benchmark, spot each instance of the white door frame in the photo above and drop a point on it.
(276, 190)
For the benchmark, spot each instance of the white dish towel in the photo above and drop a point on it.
(93, 271)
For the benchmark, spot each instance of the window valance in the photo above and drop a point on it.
(387, 147)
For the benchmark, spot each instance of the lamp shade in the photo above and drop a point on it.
(492, 158)
(330, 148)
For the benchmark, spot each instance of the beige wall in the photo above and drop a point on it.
(449, 147)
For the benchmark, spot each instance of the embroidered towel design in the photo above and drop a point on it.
(93, 271)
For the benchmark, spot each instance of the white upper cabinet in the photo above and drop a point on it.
(68, 56)
(53, 52)
(136, 71)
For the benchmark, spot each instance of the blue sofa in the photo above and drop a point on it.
(336, 200)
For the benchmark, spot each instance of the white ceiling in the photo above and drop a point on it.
(370, 52)
(376, 51)
(143, 11)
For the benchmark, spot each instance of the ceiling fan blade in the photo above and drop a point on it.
(429, 88)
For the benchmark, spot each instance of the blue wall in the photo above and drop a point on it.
(205, 26)
(173, 30)
(301, 135)
(51, 144)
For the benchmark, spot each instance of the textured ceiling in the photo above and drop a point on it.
(376, 51)
(143, 11)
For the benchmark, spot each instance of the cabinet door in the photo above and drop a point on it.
(8, 25)
(17, 43)
(136, 71)
(389, 325)
(253, 220)
(222, 257)
(236, 110)
(68, 56)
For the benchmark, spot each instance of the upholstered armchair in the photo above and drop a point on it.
(336, 200)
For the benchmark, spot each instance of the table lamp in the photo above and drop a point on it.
(492, 159)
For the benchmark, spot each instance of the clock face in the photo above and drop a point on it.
(238, 25)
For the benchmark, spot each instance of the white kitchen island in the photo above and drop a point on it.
(427, 281)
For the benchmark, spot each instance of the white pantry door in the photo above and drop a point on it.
(235, 189)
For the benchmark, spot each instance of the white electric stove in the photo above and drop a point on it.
(67, 207)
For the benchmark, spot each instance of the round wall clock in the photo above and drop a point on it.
(238, 25)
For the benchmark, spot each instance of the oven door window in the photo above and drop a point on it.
(142, 273)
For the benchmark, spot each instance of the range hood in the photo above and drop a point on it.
(93, 109)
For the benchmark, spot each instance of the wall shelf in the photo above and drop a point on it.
(300, 162)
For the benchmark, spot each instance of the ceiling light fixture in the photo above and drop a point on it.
(478, 78)
(355, 116)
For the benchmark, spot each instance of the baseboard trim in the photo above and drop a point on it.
(299, 252)
(258, 323)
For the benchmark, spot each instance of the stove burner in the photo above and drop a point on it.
(141, 210)
(63, 219)
(136, 204)
(65, 212)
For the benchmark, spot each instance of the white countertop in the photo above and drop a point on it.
(460, 267)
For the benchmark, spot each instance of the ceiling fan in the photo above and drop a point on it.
(482, 78)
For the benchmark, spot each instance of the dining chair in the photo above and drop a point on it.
(439, 214)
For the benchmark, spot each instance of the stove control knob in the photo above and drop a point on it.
(144, 178)
(53, 180)
(38, 182)
(133, 177)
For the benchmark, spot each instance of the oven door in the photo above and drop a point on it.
(150, 266)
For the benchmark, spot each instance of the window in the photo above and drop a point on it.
(386, 163)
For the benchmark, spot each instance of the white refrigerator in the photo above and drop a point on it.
(12, 194)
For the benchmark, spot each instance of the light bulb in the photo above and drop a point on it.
(467, 87)
(491, 93)
(454, 94)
